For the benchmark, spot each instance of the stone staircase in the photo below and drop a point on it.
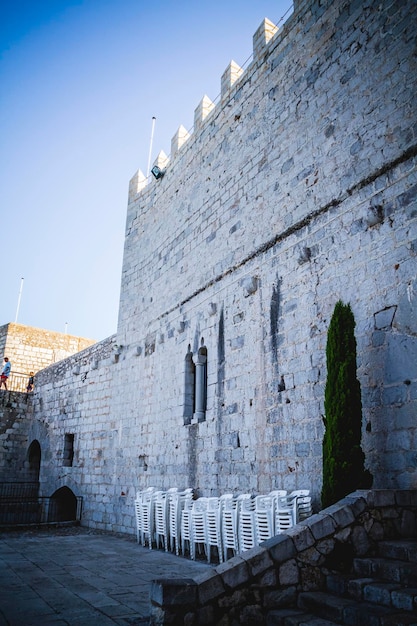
(380, 591)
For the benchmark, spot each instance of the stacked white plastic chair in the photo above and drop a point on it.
(161, 519)
(278, 493)
(139, 516)
(173, 519)
(285, 514)
(264, 518)
(213, 527)
(176, 504)
(186, 527)
(302, 503)
(198, 526)
(148, 516)
(229, 525)
(246, 522)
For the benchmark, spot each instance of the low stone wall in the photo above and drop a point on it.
(14, 408)
(247, 587)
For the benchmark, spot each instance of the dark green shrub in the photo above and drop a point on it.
(343, 458)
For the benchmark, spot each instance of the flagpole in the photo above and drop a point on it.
(19, 298)
(150, 147)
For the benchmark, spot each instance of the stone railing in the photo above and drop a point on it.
(247, 587)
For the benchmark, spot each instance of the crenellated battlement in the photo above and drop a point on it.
(230, 78)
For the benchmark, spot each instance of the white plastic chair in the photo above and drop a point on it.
(186, 527)
(161, 520)
(176, 504)
(229, 528)
(147, 516)
(174, 522)
(246, 522)
(303, 503)
(264, 518)
(213, 527)
(138, 517)
(138, 513)
(198, 525)
(278, 493)
(285, 514)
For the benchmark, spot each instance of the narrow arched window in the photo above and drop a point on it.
(33, 461)
(189, 387)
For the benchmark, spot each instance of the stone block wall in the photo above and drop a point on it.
(306, 124)
(296, 190)
(22, 416)
(14, 440)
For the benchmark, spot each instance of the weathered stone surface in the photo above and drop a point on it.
(268, 578)
(280, 597)
(341, 514)
(258, 560)
(356, 501)
(280, 548)
(301, 536)
(320, 525)
(234, 572)
(205, 615)
(381, 497)
(173, 592)
(238, 598)
(360, 540)
(251, 614)
(406, 497)
(408, 526)
(288, 573)
(210, 585)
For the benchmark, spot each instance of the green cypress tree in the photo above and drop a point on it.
(343, 458)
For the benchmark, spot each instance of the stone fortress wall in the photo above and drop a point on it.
(297, 189)
(33, 349)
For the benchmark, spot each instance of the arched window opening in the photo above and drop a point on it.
(63, 506)
(33, 461)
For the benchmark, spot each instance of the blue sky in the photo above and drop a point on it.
(79, 84)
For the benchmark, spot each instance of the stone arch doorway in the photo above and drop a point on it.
(63, 506)
(33, 462)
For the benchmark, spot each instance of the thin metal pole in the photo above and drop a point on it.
(150, 147)
(19, 298)
(66, 327)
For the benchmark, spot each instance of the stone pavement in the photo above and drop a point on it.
(76, 576)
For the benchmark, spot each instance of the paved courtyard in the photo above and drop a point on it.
(75, 576)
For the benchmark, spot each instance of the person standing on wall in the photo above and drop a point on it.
(31, 382)
(5, 372)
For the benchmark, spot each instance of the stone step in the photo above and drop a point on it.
(399, 549)
(348, 611)
(372, 590)
(389, 570)
(295, 617)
